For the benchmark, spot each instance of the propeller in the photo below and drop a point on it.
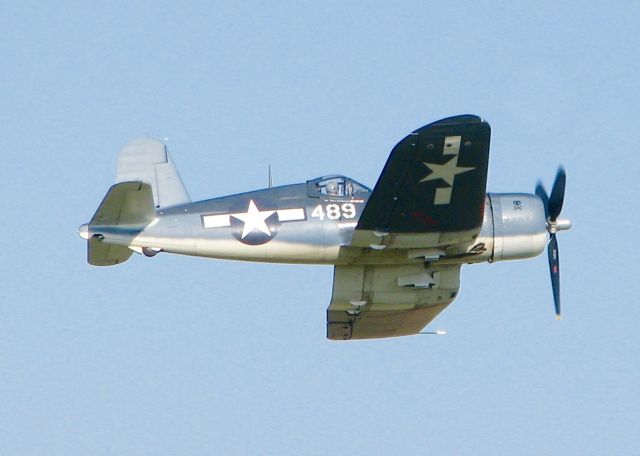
(552, 208)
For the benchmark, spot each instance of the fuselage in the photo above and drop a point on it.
(282, 224)
(314, 223)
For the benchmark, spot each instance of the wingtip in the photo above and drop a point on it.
(558, 317)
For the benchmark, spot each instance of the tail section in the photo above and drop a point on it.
(102, 254)
(126, 209)
(126, 203)
(146, 179)
(147, 160)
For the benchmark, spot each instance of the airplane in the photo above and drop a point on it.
(396, 250)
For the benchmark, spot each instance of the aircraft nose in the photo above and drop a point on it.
(83, 231)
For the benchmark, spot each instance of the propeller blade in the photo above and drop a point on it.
(542, 193)
(557, 194)
(554, 270)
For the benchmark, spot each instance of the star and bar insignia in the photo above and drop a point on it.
(254, 220)
(446, 171)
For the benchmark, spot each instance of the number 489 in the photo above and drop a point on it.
(334, 211)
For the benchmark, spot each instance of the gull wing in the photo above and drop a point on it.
(432, 189)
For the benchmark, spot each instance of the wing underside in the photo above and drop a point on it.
(375, 301)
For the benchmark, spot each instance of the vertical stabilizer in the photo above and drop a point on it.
(147, 160)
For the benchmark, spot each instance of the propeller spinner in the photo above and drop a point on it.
(553, 207)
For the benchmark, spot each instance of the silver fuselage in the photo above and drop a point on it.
(288, 225)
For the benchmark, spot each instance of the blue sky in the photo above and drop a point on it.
(177, 355)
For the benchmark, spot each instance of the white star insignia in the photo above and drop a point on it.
(254, 219)
(446, 172)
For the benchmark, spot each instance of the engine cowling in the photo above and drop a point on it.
(514, 227)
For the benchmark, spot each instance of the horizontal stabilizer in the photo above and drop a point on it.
(102, 254)
(126, 203)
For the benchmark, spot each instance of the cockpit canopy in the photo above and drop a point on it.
(335, 185)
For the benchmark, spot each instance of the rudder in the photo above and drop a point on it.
(148, 160)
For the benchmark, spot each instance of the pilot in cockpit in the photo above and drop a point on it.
(332, 188)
